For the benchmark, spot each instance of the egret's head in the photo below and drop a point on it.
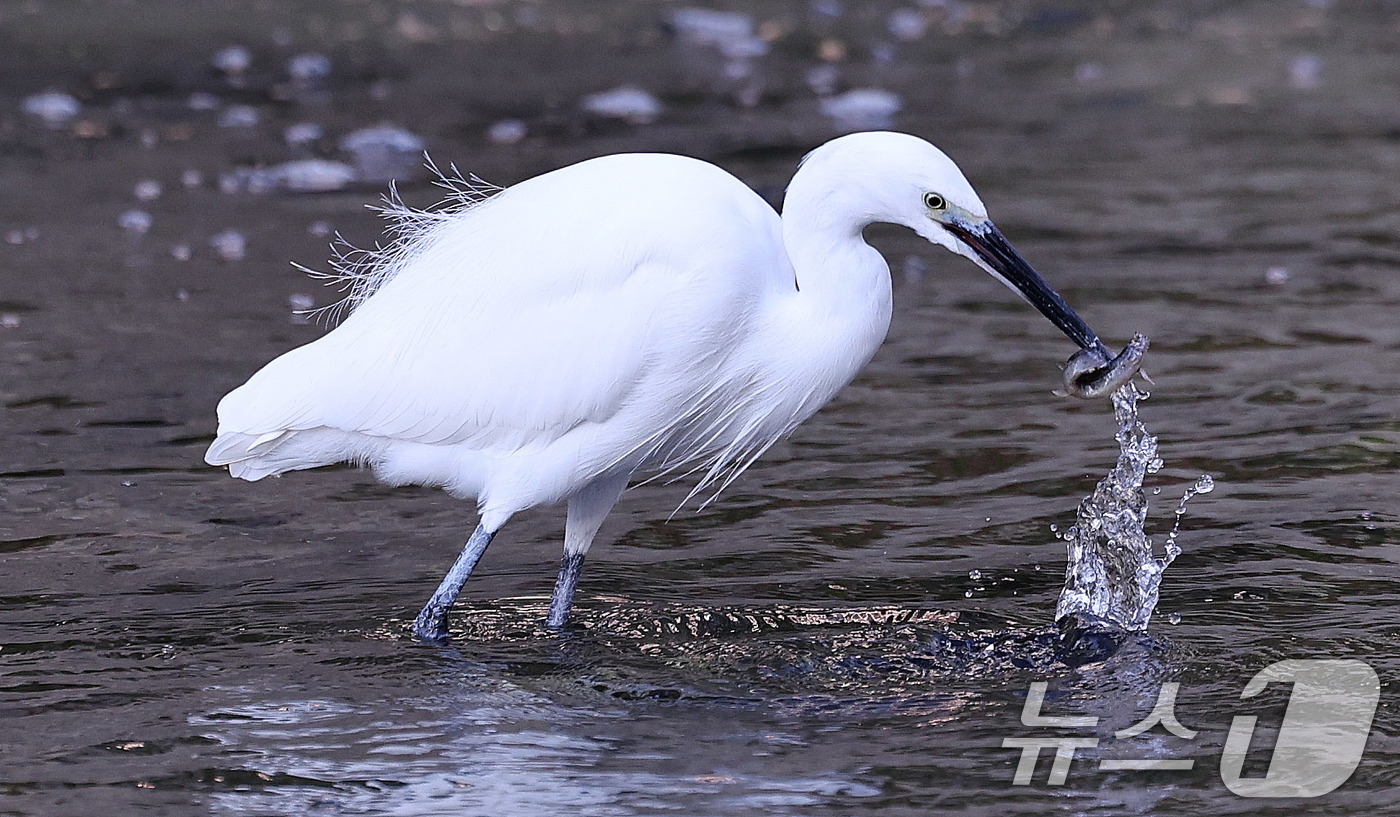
(902, 179)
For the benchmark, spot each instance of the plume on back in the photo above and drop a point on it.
(359, 273)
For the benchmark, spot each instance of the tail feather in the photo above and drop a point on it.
(245, 454)
(254, 456)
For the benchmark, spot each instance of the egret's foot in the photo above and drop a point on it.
(431, 624)
(564, 591)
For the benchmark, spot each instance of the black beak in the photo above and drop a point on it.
(996, 252)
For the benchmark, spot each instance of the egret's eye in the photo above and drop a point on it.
(933, 201)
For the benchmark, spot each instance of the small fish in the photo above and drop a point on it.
(1089, 373)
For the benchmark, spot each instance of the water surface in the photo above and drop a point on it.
(854, 627)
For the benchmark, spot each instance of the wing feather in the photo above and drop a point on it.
(526, 316)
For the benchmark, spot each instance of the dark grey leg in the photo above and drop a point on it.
(431, 624)
(564, 590)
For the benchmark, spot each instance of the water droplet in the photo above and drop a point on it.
(1157, 490)
(967, 594)
(1037, 568)
(1174, 618)
(1205, 484)
(975, 575)
(1054, 527)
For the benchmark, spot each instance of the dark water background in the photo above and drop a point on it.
(173, 641)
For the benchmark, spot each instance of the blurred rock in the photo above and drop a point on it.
(907, 24)
(1088, 73)
(311, 68)
(384, 153)
(136, 222)
(862, 108)
(831, 50)
(233, 60)
(301, 305)
(411, 27)
(827, 9)
(822, 78)
(1305, 72)
(731, 32)
(300, 176)
(303, 133)
(628, 103)
(203, 101)
(147, 190)
(704, 26)
(54, 108)
(314, 175)
(507, 131)
(230, 245)
(239, 116)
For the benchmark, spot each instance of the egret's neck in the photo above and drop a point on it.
(836, 270)
(841, 311)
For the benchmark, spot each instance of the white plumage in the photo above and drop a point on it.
(628, 315)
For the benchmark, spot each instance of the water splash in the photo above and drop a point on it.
(1113, 574)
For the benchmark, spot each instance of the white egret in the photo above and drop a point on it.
(624, 316)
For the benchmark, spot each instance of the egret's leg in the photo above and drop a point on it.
(587, 509)
(431, 624)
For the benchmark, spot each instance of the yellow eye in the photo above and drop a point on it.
(933, 201)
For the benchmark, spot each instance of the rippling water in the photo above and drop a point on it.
(855, 626)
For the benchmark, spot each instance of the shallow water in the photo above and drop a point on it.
(817, 641)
